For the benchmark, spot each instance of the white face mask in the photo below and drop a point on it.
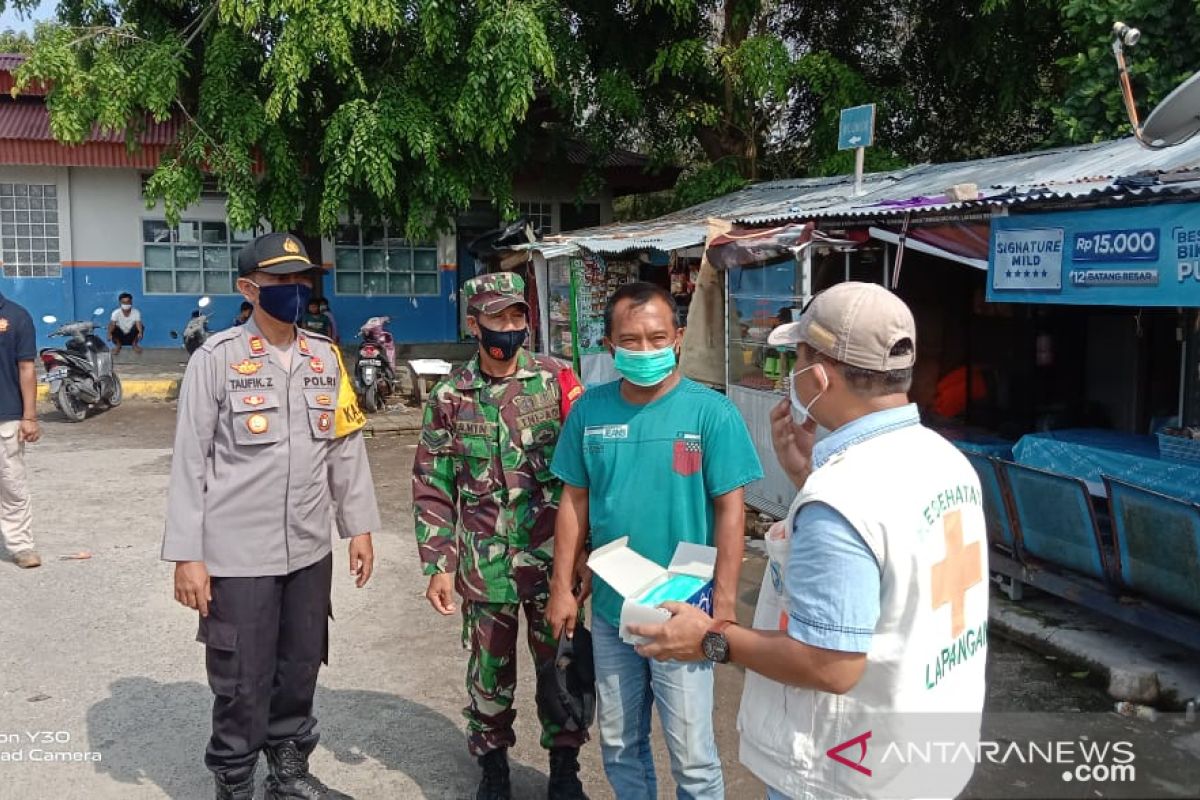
(801, 412)
(127, 306)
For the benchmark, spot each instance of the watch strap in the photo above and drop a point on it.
(721, 625)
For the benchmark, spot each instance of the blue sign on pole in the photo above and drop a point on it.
(1145, 256)
(857, 128)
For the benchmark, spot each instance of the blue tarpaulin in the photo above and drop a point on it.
(1089, 454)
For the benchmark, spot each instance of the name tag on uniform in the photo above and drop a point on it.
(537, 417)
(476, 428)
(606, 432)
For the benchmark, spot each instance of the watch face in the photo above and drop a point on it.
(716, 647)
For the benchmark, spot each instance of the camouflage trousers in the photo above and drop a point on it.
(490, 633)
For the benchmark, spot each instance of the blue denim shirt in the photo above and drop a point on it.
(832, 576)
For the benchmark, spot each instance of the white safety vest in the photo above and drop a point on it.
(916, 502)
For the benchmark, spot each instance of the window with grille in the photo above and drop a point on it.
(368, 260)
(540, 215)
(29, 230)
(193, 257)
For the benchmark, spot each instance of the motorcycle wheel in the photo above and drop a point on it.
(370, 400)
(117, 394)
(72, 408)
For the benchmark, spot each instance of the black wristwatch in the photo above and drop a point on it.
(715, 645)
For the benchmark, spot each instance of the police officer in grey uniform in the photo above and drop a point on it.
(268, 456)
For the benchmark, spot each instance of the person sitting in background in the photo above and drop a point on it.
(125, 327)
(243, 315)
(333, 329)
(313, 320)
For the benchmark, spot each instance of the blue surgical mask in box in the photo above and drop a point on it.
(645, 585)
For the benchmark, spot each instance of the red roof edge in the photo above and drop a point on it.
(9, 62)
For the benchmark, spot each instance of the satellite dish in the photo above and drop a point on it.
(97, 311)
(1177, 118)
(49, 319)
(204, 301)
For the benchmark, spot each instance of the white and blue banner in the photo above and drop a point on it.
(1139, 256)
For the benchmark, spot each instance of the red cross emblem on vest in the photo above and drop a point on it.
(958, 572)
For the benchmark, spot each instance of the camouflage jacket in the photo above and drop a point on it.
(483, 494)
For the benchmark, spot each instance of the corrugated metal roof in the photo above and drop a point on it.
(1088, 170)
(30, 121)
(1084, 172)
(579, 153)
(9, 62)
(92, 154)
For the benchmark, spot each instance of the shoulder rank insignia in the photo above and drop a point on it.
(318, 366)
(302, 343)
(254, 400)
(257, 424)
(324, 400)
(257, 346)
(246, 367)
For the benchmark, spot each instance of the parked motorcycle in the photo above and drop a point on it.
(80, 374)
(195, 333)
(375, 369)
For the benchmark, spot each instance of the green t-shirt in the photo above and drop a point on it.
(652, 471)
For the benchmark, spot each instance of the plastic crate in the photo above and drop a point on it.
(1178, 448)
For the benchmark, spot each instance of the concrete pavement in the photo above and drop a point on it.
(96, 653)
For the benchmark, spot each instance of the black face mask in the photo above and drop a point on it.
(501, 345)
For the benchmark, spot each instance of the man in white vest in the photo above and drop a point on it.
(865, 666)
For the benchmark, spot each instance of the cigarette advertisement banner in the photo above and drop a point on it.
(1142, 256)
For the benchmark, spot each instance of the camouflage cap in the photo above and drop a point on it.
(491, 294)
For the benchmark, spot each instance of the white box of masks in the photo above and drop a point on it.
(645, 585)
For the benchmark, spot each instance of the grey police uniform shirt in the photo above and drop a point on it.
(258, 476)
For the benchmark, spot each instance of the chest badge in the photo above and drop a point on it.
(246, 367)
(324, 421)
(3, 325)
(257, 424)
(254, 400)
(257, 346)
(302, 343)
(318, 366)
(324, 400)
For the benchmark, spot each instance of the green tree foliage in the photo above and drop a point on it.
(12, 41)
(406, 109)
(15, 42)
(952, 79)
(1168, 53)
(303, 109)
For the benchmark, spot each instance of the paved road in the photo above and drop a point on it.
(98, 653)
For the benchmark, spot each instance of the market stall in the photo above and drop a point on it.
(574, 288)
(1117, 291)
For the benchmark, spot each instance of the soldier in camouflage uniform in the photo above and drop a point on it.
(485, 502)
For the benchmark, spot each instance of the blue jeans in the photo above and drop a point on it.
(626, 687)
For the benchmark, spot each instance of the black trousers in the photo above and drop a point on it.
(125, 339)
(265, 641)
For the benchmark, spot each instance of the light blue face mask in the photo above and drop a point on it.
(645, 367)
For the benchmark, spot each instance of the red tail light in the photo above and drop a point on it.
(48, 360)
(370, 351)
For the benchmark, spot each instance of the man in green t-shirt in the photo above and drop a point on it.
(662, 460)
